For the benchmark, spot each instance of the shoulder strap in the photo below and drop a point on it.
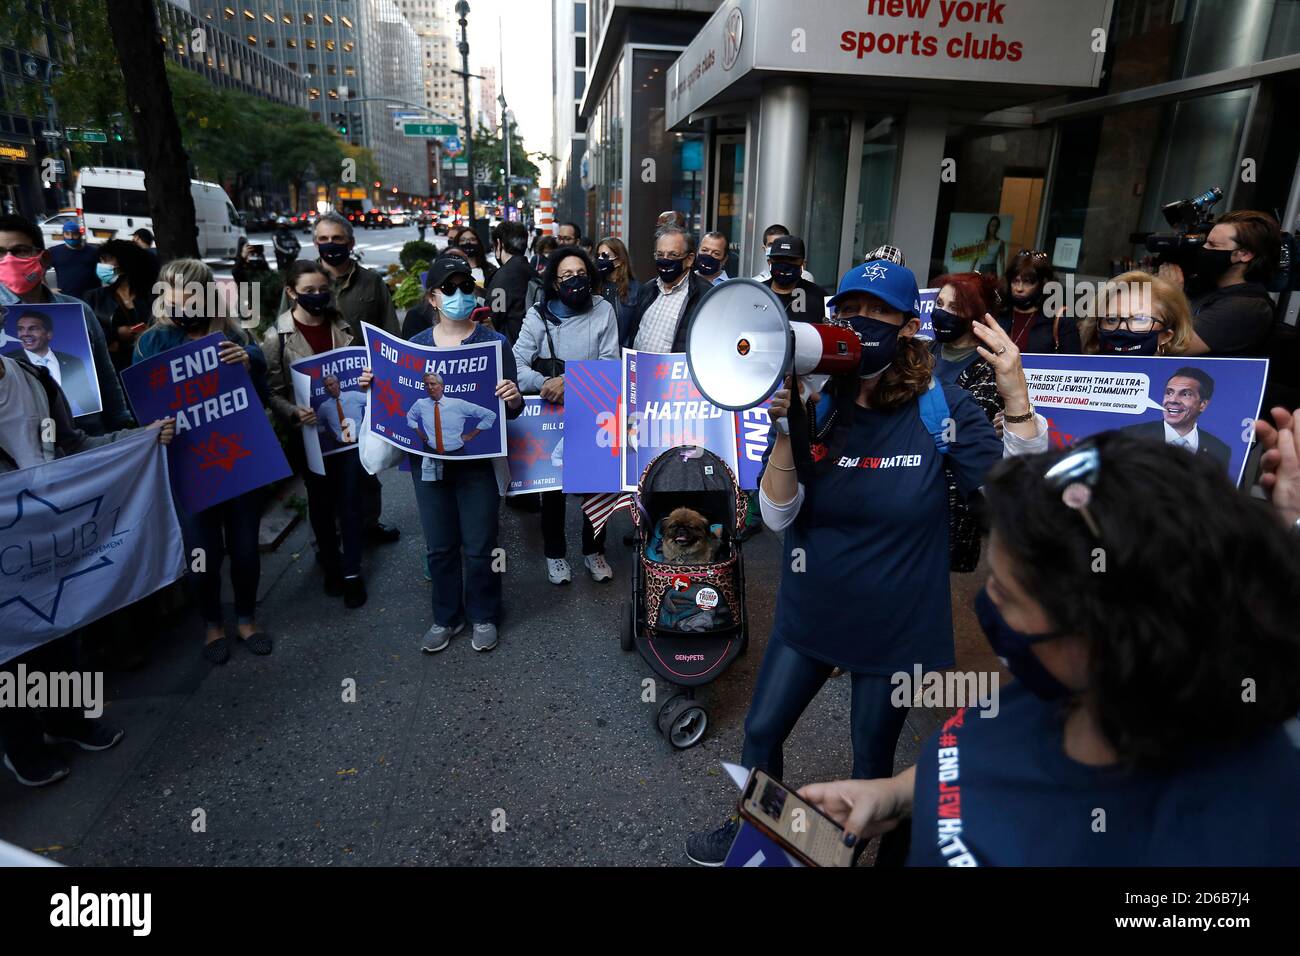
(935, 414)
(1056, 333)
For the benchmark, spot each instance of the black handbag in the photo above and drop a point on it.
(551, 367)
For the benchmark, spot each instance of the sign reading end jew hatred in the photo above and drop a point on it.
(436, 402)
(224, 446)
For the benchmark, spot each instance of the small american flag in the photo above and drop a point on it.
(600, 508)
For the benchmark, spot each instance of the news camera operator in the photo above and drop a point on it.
(1162, 700)
(862, 489)
(1231, 308)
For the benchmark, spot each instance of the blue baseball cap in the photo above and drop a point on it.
(893, 284)
(72, 227)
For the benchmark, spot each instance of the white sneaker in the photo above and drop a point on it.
(558, 570)
(599, 567)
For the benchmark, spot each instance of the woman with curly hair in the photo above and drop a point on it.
(1159, 692)
(861, 489)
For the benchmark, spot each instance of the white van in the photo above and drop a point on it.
(113, 204)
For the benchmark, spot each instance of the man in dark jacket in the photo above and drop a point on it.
(74, 262)
(506, 293)
(1187, 394)
(665, 307)
(804, 301)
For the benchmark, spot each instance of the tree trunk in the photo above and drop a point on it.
(137, 39)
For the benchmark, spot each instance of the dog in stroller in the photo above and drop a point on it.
(686, 617)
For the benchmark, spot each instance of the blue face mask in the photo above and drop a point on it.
(1015, 650)
(948, 327)
(879, 343)
(72, 243)
(107, 274)
(458, 305)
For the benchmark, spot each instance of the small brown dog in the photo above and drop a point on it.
(688, 540)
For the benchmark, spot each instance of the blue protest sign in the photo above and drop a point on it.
(327, 384)
(663, 409)
(752, 847)
(83, 536)
(1207, 404)
(436, 402)
(55, 336)
(752, 428)
(536, 440)
(224, 445)
(926, 299)
(592, 444)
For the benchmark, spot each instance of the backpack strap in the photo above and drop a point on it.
(935, 414)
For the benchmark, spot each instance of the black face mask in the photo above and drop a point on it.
(314, 303)
(1014, 648)
(604, 266)
(786, 273)
(670, 269)
(1124, 342)
(947, 326)
(879, 343)
(187, 322)
(1209, 264)
(708, 266)
(471, 249)
(575, 292)
(1026, 301)
(335, 253)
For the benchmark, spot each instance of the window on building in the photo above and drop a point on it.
(287, 18)
(291, 43)
(347, 47)
(309, 18)
(346, 22)
(270, 42)
(331, 70)
(580, 52)
(329, 45)
(349, 71)
(249, 15)
(579, 18)
(252, 40)
(579, 83)
(311, 44)
(327, 18)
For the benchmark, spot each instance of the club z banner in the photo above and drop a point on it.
(224, 445)
(83, 536)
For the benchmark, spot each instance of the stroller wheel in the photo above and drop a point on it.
(627, 632)
(682, 721)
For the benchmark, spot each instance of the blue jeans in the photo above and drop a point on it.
(229, 528)
(460, 515)
(337, 496)
(787, 683)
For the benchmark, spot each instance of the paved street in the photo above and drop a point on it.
(549, 728)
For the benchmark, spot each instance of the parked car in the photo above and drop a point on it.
(398, 217)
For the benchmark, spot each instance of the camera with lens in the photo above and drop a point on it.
(1192, 222)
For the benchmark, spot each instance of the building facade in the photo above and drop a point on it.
(571, 20)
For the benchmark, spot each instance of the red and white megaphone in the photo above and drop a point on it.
(741, 346)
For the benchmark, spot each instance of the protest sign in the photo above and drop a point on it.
(436, 402)
(55, 336)
(752, 429)
(536, 440)
(593, 445)
(663, 409)
(1208, 403)
(224, 445)
(83, 536)
(327, 384)
(926, 299)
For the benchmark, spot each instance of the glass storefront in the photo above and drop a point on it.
(605, 157)
(828, 167)
(877, 169)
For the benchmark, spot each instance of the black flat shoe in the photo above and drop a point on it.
(218, 652)
(354, 592)
(383, 534)
(258, 642)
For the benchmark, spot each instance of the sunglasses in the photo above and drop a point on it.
(451, 286)
(1075, 475)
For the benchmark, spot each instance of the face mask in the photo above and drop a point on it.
(604, 266)
(314, 303)
(335, 253)
(72, 243)
(708, 266)
(948, 327)
(879, 343)
(575, 292)
(21, 275)
(187, 321)
(786, 273)
(458, 305)
(1026, 301)
(1124, 342)
(107, 274)
(470, 249)
(1209, 264)
(1014, 649)
(669, 269)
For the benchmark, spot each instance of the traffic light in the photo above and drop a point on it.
(341, 121)
(117, 132)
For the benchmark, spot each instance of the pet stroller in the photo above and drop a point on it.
(687, 621)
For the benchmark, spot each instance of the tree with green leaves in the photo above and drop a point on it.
(489, 159)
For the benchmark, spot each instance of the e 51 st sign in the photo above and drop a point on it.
(428, 130)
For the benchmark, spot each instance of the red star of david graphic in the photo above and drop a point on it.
(527, 449)
(220, 451)
(387, 397)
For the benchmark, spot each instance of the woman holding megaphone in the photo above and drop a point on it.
(859, 488)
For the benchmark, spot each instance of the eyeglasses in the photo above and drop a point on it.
(675, 256)
(451, 286)
(1132, 323)
(572, 273)
(1075, 475)
(22, 252)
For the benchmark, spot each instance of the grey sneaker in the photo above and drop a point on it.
(598, 567)
(558, 571)
(485, 637)
(438, 637)
(710, 847)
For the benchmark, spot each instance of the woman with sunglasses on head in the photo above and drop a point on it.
(621, 287)
(1025, 319)
(313, 325)
(861, 488)
(568, 324)
(459, 501)
(1147, 723)
(1140, 314)
(189, 306)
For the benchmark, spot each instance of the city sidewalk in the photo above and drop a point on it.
(547, 734)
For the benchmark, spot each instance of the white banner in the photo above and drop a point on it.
(83, 536)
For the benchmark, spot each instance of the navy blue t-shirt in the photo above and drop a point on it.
(74, 269)
(1000, 791)
(872, 595)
